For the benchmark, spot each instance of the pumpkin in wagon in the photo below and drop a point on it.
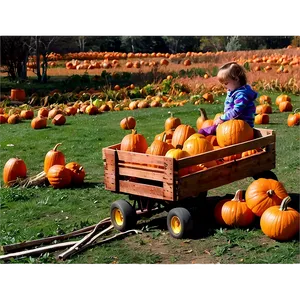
(172, 122)
(134, 142)
(178, 153)
(181, 134)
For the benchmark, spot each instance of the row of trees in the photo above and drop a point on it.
(15, 50)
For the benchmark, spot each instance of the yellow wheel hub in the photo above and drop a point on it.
(118, 216)
(175, 224)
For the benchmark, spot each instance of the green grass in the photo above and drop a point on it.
(32, 213)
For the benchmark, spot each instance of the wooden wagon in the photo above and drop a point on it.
(153, 183)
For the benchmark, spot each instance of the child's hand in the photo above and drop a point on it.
(218, 121)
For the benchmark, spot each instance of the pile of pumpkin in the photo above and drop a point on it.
(266, 199)
(181, 140)
(56, 172)
(283, 102)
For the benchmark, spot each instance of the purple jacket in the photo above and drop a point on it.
(240, 104)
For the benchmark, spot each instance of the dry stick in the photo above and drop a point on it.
(23, 245)
(37, 250)
(80, 243)
(90, 244)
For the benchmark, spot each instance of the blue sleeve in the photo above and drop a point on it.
(240, 103)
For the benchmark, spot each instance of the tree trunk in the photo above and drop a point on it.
(44, 69)
(37, 52)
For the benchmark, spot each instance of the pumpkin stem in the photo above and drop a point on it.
(238, 196)
(179, 147)
(164, 137)
(127, 125)
(284, 203)
(203, 113)
(80, 169)
(55, 147)
(296, 110)
(170, 114)
(133, 131)
(270, 193)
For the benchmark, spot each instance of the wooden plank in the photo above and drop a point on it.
(141, 189)
(261, 132)
(141, 158)
(226, 151)
(109, 171)
(193, 184)
(169, 180)
(151, 175)
(141, 167)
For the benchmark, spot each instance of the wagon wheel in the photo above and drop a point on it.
(266, 174)
(122, 215)
(179, 222)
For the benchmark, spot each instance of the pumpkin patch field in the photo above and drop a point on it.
(53, 179)
(73, 193)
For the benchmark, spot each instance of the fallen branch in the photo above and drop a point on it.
(117, 235)
(88, 239)
(47, 240)
(37, 250)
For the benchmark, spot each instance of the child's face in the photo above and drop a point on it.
(231, 84)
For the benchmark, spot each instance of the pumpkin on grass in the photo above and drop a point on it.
(282, 98)
(39, 123)
(264, 193)
(77, 173)
(59, 120)
(128, 123)
(53, 157)
(261, 119)
(236, 212)
(280, 222)
(14, 168)
(293, 119)
(59, 176)
(218, 212)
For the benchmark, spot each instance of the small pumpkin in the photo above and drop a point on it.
(261, 119)
(77, 173)
(159, 147)
(134, 142)
(264, 193)
(128, 123)
(178, 153)
(172, 122)
(43, 112)
(293, 119)
(38, 123)
(59, 120)
(13, 119)
(208, 97)
(285, 106)
(280, 222)
(282, 98)
(14, 168)
(27, 114)
(236, 212)
(265, 99)
(59, 176)
(201, 119)
(53, 157)
(264, 109)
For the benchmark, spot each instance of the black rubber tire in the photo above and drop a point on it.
(265, 174)
(128, 213)
(185, 219)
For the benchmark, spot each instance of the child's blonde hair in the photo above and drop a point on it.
(233, 71)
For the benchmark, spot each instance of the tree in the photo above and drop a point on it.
(213, 43)
(233, 44)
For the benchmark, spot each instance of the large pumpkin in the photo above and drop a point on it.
(53, 157)
(59, 176)
(197, 146)
(236, 212)
(181, 134)
(233, 132)
(264, 193)
(134, 142)
(280, 222)
(14, 168)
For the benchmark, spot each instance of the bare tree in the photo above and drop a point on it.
(81, 43)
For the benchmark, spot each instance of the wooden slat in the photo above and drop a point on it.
(141, 158)
(193, 184)
(159, 176)
(109, 171)
(261, 132)
(140, 167)
(226, 151)
(140, 189)
(169, 180)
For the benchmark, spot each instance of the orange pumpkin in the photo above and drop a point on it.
(264, 193)
(14, 168)
(236, 212)
(261, 119)
(134, 142)
(128, 123)
(53, 157)
(159, 147)
(27, 114)
(265, 99)
(280, 222)
(293, 119)
(3, 118)
(38, 123)
(172, 122)
(264, 109)
(201, 119)
(181, 133)
(43, 112)
(197, 146)
(282, 98)
(208, 97)
(212, 139)
(53, 112)
(59, 176)
(77, 173)
(13, 119)
(233, 132)
(59, 120)
(285, 106)
(218, 212)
